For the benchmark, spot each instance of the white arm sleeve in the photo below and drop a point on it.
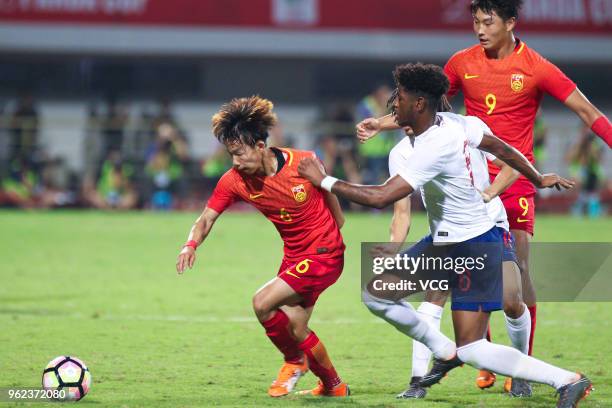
(475, 130)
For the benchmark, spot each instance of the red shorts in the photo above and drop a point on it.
(311, 276)
(520, 209)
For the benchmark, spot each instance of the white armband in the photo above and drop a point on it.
(328, 182)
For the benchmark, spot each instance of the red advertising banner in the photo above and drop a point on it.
(542, 16)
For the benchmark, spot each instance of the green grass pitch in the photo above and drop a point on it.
(102, 287)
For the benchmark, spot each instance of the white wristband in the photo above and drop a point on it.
(328, 182)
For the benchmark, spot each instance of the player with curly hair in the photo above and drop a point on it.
(436, 159)
(503, 82)
(308, 220)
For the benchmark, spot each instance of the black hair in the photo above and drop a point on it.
(506, 9)
(244, 120)
(426, 80)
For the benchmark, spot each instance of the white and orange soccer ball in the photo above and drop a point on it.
(69, 376)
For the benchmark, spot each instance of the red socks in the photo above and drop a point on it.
(532, 313)
(278, 331)
(319, 362)
(489, 333)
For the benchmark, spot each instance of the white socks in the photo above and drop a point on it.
(421, 355)
(519, 330)
(405, 319)
(512, 363)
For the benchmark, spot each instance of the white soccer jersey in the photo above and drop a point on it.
(438, 162)
(480, 171)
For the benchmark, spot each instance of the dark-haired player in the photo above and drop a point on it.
(307, 219)
(437, 160)
(503, 82)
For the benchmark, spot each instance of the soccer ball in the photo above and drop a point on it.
(69, 376)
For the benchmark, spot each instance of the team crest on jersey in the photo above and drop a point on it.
(516, 82)
(299, 193)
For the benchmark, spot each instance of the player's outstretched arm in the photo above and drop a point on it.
(504, 179)
(590, 115)
(378, 196)
(516, 160)
(199, 231)
(370, 127)
(400, 223)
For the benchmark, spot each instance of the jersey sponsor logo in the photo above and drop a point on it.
(299, 193)
(468, 76)
(255, 196)
(516, 82)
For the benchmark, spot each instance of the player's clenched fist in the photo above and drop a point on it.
(312, 169)
(367, 129)
(185, 259)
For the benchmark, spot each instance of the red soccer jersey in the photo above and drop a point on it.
(506, 94)
(296, 207)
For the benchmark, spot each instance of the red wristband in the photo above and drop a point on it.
(191, 243)
(602, 128)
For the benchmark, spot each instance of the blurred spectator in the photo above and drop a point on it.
(585, 160)
(24, 129)
(144, 135)
(165, 163)
(215, 165)
(338, 144)
(23, 187)
(20, 186)
(375, 152)
(113, 127)
(113, 188)
(539, 139)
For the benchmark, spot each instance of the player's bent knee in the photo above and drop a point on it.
(513, 309)
(261, 307)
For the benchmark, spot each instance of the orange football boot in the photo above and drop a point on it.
(340, 390)
(288, 376)
(485, 379)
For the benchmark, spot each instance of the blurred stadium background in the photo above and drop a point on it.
(107, 103)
